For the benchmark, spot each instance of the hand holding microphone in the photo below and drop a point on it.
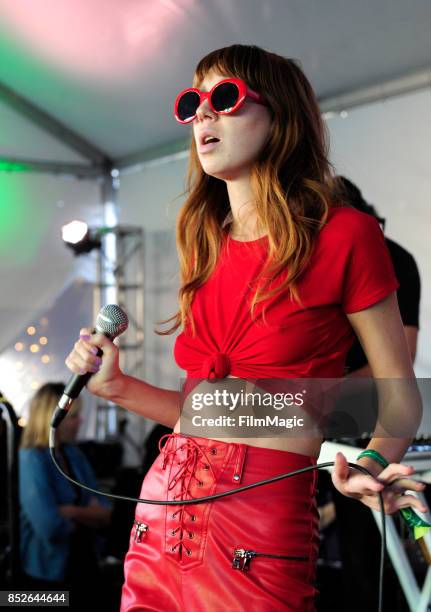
(85, 359)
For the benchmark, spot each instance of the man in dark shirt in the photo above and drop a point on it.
(407, 272)
(359, 537)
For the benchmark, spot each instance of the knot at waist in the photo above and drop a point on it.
(216, 366)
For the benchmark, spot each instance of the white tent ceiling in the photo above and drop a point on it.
(110, 70)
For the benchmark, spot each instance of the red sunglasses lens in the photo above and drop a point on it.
(188, 105)
(224, 97)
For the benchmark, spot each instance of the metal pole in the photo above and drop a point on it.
(9, 416)
(52, 126)
(67, 170)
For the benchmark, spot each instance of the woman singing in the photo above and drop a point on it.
(258, 208)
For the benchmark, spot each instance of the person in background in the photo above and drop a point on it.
(59, 544)
(407, 272)
(358, 533)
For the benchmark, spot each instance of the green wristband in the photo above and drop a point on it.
(368, 452)
(417, 526)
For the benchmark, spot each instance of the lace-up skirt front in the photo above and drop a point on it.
(254, 550)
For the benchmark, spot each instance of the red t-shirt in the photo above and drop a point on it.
(350, 270)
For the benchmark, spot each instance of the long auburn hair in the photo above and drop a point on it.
(292, 181)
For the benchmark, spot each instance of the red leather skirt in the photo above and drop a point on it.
(254, 550)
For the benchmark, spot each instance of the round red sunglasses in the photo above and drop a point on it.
(225, 97)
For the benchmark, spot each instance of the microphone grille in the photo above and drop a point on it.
(111, 321)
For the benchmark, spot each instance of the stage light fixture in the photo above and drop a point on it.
(80, 238)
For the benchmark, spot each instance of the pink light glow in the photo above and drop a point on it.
(101, 38)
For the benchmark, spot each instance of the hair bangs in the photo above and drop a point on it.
(234, 61)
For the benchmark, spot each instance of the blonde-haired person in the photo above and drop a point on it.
(59, 547)
(258, 193)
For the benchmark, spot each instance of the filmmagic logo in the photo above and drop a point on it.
(232, 401)
(247, 421)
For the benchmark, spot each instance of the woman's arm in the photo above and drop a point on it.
(93, 515)
(38, 500)
(411, 333)
(109, 382)
(160, 405)
(380, 330)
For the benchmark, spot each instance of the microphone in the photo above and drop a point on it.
(111, 322)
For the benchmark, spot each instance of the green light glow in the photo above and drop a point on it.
(7, 166)
(21, 68)
(22, 224)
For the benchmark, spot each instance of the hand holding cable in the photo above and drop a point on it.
(365, 487)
